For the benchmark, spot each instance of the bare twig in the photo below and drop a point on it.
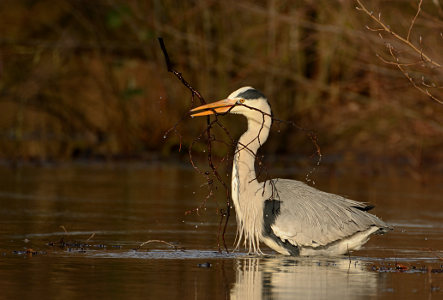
(413, 20)
(158, 241)
(435, 253)
(411, 80)
(424, 61)
(178, 74)
(406, 41)
(64, 229)
(92, 235)
(210, 139)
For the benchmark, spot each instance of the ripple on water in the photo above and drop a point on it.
(167, 254)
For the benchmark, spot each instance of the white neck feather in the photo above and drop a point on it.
(246, 190)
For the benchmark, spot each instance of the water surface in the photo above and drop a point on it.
(74, 231)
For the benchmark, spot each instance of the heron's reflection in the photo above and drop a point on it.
(302, 278)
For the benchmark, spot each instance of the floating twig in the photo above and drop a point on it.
(89, 238)
(158, 241)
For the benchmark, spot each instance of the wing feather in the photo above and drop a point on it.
(312, 218)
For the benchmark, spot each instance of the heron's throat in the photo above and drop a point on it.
(247, 147)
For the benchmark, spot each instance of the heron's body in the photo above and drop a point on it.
(287, 215)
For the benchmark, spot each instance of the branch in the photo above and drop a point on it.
(405, 41)
(178, 74)
(411, 80)
(423, 88)
(214, 172)
(210, 138)
(413, 20)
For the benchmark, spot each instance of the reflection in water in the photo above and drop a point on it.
(302, 278)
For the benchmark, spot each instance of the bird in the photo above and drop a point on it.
(289, 216)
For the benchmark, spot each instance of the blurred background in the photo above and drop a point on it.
(87, 79)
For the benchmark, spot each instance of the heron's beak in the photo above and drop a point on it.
(218, 107)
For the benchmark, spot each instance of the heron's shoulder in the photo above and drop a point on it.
(289, 182)
(291, 187)
(294, 191)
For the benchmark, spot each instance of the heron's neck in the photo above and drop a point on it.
(247, 146)
(245, 188)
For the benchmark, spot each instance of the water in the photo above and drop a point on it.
(75, 231)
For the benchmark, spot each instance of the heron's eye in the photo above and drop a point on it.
(241, 101)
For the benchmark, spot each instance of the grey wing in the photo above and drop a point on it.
(312, 218)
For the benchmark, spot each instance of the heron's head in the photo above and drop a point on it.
(246, 101)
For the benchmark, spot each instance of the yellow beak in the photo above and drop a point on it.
(218, 107)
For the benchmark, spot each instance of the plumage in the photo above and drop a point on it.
(289, 216)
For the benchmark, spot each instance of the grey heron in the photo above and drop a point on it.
(289, 216)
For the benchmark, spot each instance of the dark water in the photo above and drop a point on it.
(73, 232)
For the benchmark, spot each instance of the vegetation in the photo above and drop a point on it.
(88, 79)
